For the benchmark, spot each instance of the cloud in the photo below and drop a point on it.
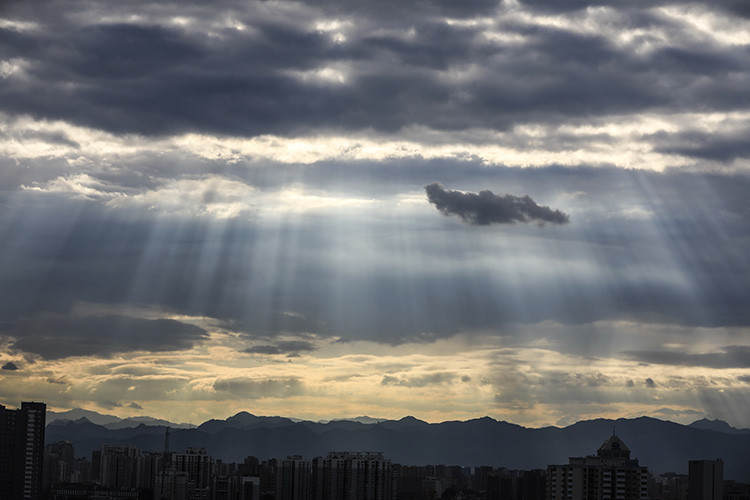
(672, 413)
(135, 406)
(738, 7)
(488, 208)
(439, 378)
(286, 347)
(250, 69)
(723, 146)
(734, 356)
(259, 388)
(10, 365)
(54, 336)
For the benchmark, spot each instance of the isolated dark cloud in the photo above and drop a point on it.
(135, 406)
(10, 365)
(54, 336)
(488, 208)
(734, 356)
(286, 347)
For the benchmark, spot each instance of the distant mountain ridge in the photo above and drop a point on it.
(111, 421)
(718, 426)
(662, 446)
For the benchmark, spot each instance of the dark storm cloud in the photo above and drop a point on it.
(286, 347)
(54, 336)
(10, 365)
(735, 356)
(397, 70)
(488, 208)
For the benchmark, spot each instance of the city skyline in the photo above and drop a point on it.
(531, 210)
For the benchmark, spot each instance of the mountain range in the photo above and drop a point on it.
(662, 446)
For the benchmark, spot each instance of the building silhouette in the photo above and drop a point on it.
(705, 479)
(293, 479)
(59, 463)
(22, 451)
(609, 475)
(352, 476)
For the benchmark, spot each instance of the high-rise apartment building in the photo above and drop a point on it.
(294, 479)
(118, 466)
(609, 475)
(352, 476)
(705, 479)
(22, 451)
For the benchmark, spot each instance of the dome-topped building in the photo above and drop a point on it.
(609, 475)
(613, 448)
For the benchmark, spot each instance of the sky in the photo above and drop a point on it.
(533, 210)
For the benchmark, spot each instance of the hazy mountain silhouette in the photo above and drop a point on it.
(111, 421)
(662, 446)
(718, 426)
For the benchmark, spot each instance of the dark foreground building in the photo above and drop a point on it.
(706, 479)
(22, 451)
(609, 475)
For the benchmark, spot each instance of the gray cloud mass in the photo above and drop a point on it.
(54, 336)
(735, 356)
(253, 388)
(439, 378)
(488, 208)
(286, 347)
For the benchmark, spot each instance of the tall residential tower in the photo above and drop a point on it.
(22, 451)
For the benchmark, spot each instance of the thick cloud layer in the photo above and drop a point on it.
(488, 208)
(287, 68)
(729, 357)
(289, 347)
(54, 336)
